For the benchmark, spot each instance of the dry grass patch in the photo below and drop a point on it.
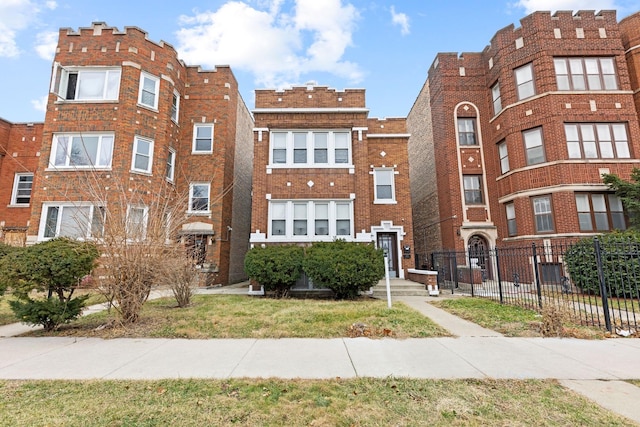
(353, 402)
(240, 316)
(513, 321)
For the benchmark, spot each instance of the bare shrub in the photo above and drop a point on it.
(179, 275)
(554, 318)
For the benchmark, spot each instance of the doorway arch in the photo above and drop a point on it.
(478, 252)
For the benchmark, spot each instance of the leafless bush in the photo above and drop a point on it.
(554, 318)
(179, 275)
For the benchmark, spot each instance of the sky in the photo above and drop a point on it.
(383, 46)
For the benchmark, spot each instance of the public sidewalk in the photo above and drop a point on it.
(590, 367)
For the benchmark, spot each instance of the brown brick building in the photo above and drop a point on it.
(19, 155)
(508, 145)
(324, 170)
(130, 127)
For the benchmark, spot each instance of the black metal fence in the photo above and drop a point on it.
(598, 284)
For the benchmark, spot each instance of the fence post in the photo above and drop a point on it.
(495, 250)
(537, 274)
(455, 272)
(470, 271)
(603, 285)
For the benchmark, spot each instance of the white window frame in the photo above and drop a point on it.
(175, 106)
(472, 185)
(496, 98)
(104, 147)
(196, 126)
(512, 224)
(377, 175)
(17, 181)
(156, 90)
(171, 165)
(60, 82)
(503, 152)
(136, 141)
(525, 81)
(541, 202)
(290, 147)
(463, 130)
(597, 140)
(577, 73)
(88, 226)
(199, 211)
(531, 145)
(134, 235)
(333, 209)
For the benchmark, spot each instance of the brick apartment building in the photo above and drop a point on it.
(324, 170)
(129, 126)
(19, 151)
(508, 145)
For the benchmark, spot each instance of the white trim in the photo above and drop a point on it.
(389, 201)
(14, 192)
(172, 152)
(145, 221)
(44, 214)
(289, 148)
(562, 188)
(388, 227)
(309, 110)
(156, 80)
(195, 133)
(388, 135)
(135, 153)
(67, 163)
(199, 212)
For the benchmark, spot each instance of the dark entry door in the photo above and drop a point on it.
(387, 241)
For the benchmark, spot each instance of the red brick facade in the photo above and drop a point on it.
(513, 120)
(146, 100)
(304, 192)
(19, 156)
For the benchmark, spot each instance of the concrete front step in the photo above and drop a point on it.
(403, 288)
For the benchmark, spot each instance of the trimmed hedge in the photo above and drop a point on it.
(275, 267)
(620, 254)
(344, 267)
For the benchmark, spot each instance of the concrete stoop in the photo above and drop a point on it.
(400, 287)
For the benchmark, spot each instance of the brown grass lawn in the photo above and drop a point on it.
(241, 316)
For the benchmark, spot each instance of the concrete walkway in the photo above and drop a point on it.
(593, 368)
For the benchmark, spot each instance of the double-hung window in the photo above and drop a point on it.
(605, 211)
(585, 73)
(524, 81)
(199, 197)
(467, 131)
(305, 220)
(81, 150)
(149, 89)
(73, 220)
(510, 209)
(534, 147)
(503, 152)
(597, 140)
(383, 181)
(142, 160)
(202, 138)
(171, 165)
(496, 98)
(543, 214)
(175, 106)
(22, 184)
(136, 225)
(310, 148)
(472, 189)
(86, 83)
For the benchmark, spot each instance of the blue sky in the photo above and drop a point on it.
(384, 46)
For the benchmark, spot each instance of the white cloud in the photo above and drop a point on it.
(46, 44)
(400, 19)
(554, 5)
(276, 45)
(16, 16)
(40, 104)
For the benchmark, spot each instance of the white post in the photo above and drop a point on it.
(386, 275)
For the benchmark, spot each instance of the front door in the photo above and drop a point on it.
(387, 241)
